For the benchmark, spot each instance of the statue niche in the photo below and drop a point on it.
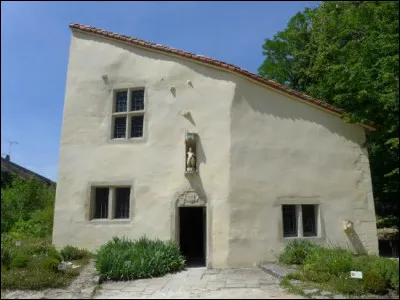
(190, 151)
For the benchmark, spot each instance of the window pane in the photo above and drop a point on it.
(137, 126)
(309, 220)
(121, 101)
(289, 220)
(137, 102)
(101, 203)
(119, 127)
(122, 203)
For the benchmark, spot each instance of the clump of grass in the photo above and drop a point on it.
(333, 261)
(297, 251)
(123, 259)
(70, 253)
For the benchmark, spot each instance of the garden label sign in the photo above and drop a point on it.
(356, 274)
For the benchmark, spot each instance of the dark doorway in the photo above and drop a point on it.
(192, 234)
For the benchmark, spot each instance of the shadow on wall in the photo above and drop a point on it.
(189, 118)
(355, 241)
(267, 102)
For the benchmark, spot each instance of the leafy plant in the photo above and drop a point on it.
(123, 259)
(347, 285)
(19, 261)
(334, 261)
(297, 251)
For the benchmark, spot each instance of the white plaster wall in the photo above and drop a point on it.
(155, 167)
(286, 152)
(258, 149)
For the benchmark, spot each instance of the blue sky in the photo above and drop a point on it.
(35, 42)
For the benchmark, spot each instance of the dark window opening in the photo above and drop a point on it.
(309, 220)
(120, 127)
(101, 203)
(137, 126)
(122, 203)
(121, 101)
(289, 220)
(137, 101)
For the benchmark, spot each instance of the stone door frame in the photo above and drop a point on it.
(190, 198)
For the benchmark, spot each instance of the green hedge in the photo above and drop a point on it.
(124, 259)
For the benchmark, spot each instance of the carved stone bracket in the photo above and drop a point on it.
(189, 198)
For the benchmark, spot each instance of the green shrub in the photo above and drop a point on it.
(374, 282)
(394, 282)
(296, 252)
(73, 253)
(51, 263)
(19, 261)
(311, 275)
(333, 261)
(386, 269)
(347, 285)
(53, 253)
(5, 257)
(123, 259)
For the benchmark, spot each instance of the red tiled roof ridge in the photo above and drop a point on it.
(210, 61)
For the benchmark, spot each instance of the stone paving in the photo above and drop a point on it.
(196, 283)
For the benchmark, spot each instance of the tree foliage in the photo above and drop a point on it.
(347, 54)
(27, 207)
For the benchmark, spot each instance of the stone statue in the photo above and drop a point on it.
(191, 160)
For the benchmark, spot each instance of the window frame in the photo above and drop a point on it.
(112, 201)
(300, 221)
(128, 114)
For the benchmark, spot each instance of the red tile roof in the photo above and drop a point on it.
(213, 62)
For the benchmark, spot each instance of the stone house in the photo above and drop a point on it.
(161, 142)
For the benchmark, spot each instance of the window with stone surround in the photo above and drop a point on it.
(300, 220)
(128, 114)
(110, 203)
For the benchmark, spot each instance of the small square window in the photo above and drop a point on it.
(121, 101)
(101, 203)
(120, 127)
(122, 203)
(309, 220)
(137, 101)
(137, 126)
(289, 220)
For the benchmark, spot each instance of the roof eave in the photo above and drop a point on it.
(319, 104)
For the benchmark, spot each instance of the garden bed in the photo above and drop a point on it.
(328, 268)
(34, 264)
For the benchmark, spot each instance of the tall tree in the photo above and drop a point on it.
(288, 54)
(348, 56)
